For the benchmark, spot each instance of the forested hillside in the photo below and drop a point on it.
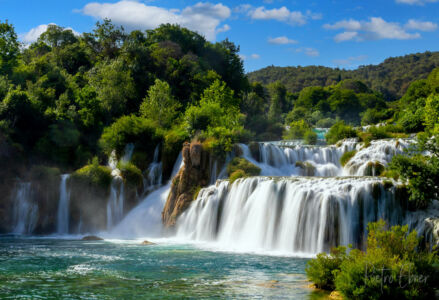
(391, 78)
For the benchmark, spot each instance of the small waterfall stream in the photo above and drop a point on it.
(62, 222)
(25, 210)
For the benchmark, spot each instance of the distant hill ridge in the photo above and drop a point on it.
(391, 77)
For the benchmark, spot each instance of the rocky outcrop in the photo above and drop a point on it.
(92, 238)
(191, 177)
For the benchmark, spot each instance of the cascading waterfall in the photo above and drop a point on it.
(299, 215)
(115, 202)
(153, 178)
(25, 211)
(146, 218)
(62, 223)
(324, 161)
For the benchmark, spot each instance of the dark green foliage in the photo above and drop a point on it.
(240, 167)
(324, 268)
(297, 130)
(392, 267)
(344, 159)
(9, 48)
(340, 131)
(391, 78)
(130, 173)
(130, 129)
(310, 137)
(93, 175)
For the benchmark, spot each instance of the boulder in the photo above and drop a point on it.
(92, 238)
(193, 175)
(148, 243)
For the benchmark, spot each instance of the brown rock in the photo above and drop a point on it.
(92, 238)
(148, 243)
(194, 174)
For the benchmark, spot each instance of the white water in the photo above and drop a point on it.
(62, 222)
(153, 177)
(323, 161)
(298, 215)
(25, 211)
(145, 220)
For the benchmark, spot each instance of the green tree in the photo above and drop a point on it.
(160, 105)
(57, 36)
(9, 48)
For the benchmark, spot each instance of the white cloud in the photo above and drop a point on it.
(248, 57)
(32, 35)
(374, 29)
(309, 51)
(422, 26)
(349, 61)
(281, 40)
(203, 17)
(415, 2)
(282, 14)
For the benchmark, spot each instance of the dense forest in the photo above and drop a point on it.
(391, 78)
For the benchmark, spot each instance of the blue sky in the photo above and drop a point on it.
(332, 33)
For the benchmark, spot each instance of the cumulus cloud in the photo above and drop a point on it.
(282, 14)
(248, 57)
(421, 26)
(415, 2)
(281, 40)
(374, 29)
(32, 35)
(349, 61)
(203, 17)
(308, 51)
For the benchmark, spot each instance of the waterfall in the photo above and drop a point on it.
(276, 159)
(296, 215)
(115, 202)
(153, 177)
(146, 218)
(62, 224)
(25, 211)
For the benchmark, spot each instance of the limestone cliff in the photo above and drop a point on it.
(191, 177)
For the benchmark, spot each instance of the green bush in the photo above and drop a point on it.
(392, 267)
(130, 129)
(344, 159)
(310, 137)
(340, 131)
(44, 173)
(325, 123)
(323, 269)
(239, 163)
(130, 173)
(297, 130)
(94, 175)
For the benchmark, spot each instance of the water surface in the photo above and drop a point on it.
(35, 268)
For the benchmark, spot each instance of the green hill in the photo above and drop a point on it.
(392, 77)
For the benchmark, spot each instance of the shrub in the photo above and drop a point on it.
(325, 123)
(392, 267)
(297, 130)
(130, 129)
(344, 159)
(94, 175)
(239, 163)
(130, 173)
(44, 173)
(323, 269)
(310, 137)
(340, 131)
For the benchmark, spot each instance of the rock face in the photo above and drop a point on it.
(192, 176)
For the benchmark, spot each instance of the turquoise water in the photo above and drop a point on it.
(44, 268)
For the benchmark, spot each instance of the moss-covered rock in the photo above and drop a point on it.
(131, 174)
(374, 168)
(254, 150)
(344, 159)
(236, 175)
(239, 163)
(307, 169)
(94, 175)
